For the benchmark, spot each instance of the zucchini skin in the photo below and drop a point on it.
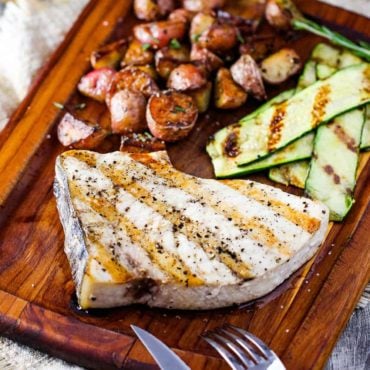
(332, 175)
(345, 90)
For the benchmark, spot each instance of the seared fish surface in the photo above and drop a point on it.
(139, 231)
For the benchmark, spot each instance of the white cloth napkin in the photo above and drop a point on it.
(29, 31)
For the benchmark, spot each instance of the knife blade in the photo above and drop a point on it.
(164, 356)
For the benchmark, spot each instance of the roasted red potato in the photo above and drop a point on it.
(137, 54)
(132, 78)
(79, 134)
(200, 23)
(142, 142)
(180, 53)
(127, 109)
(219, 38)
(279, 13)
(171, 115)
(164, 67)
(202, 5)
(210, 60)
(202, 97)
(278, 67)
(228, 94)
(110, 55)
(247, 74)
(150, 70)
(181, 15)
(186, 77)
(151, 10)
(96, 83)
(159, 34)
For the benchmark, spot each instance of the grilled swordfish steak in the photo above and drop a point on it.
(139, 231)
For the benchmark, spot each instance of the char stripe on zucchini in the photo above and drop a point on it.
(330, 180)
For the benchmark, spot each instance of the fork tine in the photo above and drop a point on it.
(227, 356)
(261, 346)
(241, 343)
(237, 351)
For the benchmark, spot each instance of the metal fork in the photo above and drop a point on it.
(242, 350)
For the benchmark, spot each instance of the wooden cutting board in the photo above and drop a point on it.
(301, 320)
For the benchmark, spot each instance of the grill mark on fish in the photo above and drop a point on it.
(168, 262)
(191, 229)
(276, 126)
(256, 230)
(320, 103)
(309, 224)
(118, 272)
(343, 136)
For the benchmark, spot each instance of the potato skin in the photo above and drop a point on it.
(141, 143)
(181, 15)
(151, 10)
(228, 94)
(281, 65)
(109, 56)
(279, 13)
(202, 5)
(127, 108)
(95, 84)
(247, 74)
(171, 115)
(201, 23)
(159, 34)
(186, 77)
(136, 55)
(219, 38)
(79, 134)
(134, 79)
(210, 60)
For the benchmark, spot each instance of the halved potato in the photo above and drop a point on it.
(202, 97)
(181, 15)
(247, 74)
(142, 142)
(164, 67)
(202, 5)
(127, 109)
(171, 115)
(219, 38)
(228, 94)
(79, 134)
(279, 13)
(150, 70)
(278, 67)
(186, 77)
(210, 60)
(95, 84)
(201, 23)
(151, 10)
(132, 78)
(180, 54)
(159, 34)
(110, 55)
(137, 54)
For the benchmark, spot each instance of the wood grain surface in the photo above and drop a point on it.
(301, 320)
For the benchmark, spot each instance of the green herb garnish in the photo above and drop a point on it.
(58, 105)
(196, 37)
(240, 37)
(80, 106)
(146, 47)
(178, 109)
(174, 44)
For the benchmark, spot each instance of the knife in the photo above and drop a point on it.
(165, 357)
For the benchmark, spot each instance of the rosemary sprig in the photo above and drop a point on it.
(362, 49)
